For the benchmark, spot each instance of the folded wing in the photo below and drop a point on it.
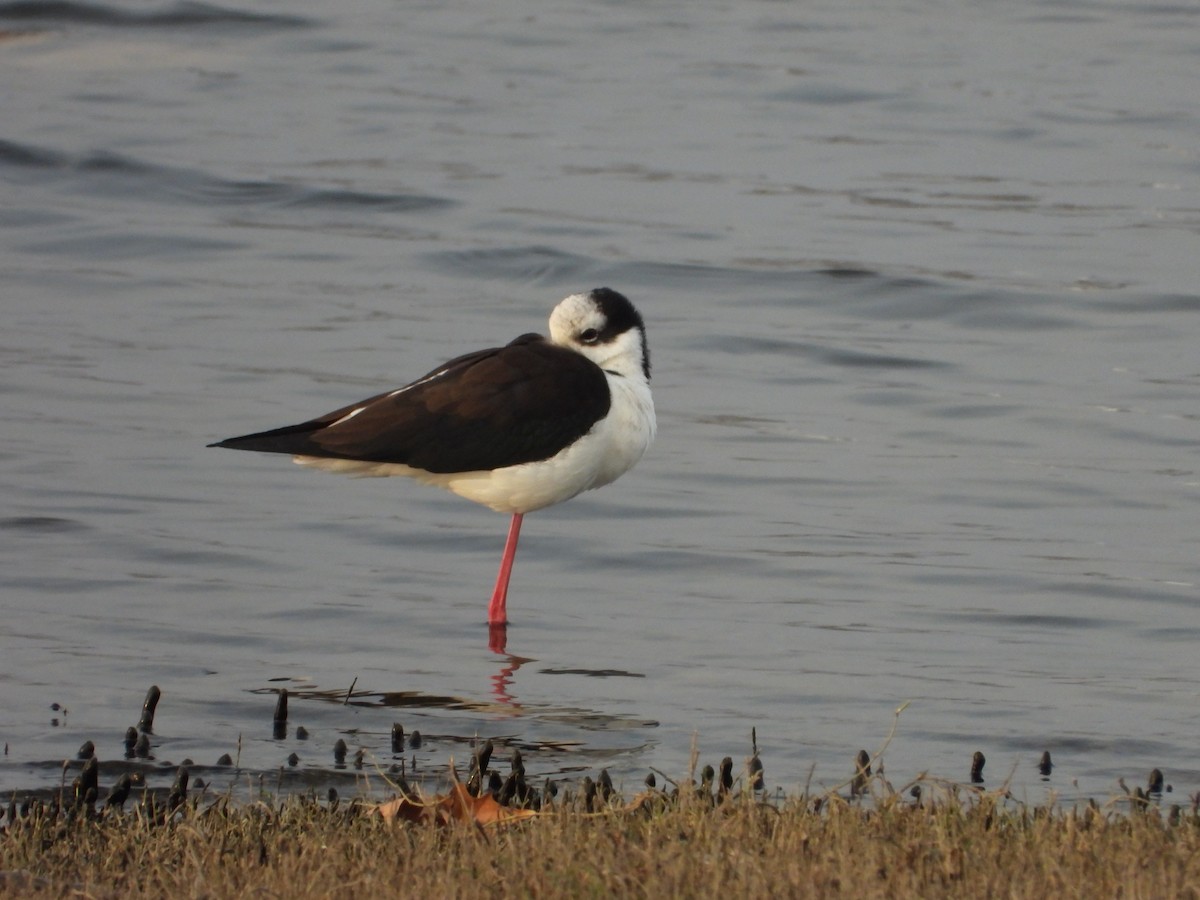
(494, 408)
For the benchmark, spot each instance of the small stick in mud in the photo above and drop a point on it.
(977, 763)
(1045, 765)
(1154, 784)
(279, 722)
(754, 765)
(862, 774)
(149, 705)
(87, 786)
(120, 792)
(131, 739)
(179, 789)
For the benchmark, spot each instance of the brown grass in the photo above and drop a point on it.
(966, 845)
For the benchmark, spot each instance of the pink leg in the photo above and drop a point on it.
(497, 609)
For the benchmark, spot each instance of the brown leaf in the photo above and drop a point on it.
(481, 810)
(405, 810)
(456, 806)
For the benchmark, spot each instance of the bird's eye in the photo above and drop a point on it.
(589, 336)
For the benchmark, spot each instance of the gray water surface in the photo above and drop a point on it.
(920, 287)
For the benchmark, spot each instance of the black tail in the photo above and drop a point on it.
(295, 440)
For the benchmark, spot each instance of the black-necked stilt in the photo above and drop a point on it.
(516, 428)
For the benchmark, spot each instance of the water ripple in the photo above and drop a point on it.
(42, 524)
(535, 264)
(117, 175)
(179, 15)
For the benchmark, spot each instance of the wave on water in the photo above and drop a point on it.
(189, 14)
(542, 264)
(856, 291)
(42, 524)
(112, 174)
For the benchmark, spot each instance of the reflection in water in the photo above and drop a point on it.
(498, 644)
(504, 678)
(370, 699)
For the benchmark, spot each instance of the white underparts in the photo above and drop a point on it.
(598, 458)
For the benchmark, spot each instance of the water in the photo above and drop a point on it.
(920, 288)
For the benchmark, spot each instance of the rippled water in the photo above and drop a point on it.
(920, 290)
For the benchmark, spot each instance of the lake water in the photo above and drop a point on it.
(920, 283)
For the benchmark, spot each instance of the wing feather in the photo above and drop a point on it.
(499, 407)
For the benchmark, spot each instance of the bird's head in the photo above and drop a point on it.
(603, 326)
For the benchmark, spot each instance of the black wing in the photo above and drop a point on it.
(500, 407)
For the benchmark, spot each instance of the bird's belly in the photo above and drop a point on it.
(522, 488)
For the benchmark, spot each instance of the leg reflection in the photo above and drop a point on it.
(502, 681)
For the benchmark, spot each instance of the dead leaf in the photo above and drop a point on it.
(403, 809)
(456, 806)
(460, 806)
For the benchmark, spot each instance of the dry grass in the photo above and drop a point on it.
(965, 845)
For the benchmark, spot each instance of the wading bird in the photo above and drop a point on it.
(516, 428)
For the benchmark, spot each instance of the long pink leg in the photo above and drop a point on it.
(497, 609)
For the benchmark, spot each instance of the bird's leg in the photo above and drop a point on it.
(497, 609)
(498, 639)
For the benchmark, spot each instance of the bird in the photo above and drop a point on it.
(515, 428)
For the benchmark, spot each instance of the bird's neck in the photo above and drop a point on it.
(630, 359)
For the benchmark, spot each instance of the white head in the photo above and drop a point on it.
(603, 326)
